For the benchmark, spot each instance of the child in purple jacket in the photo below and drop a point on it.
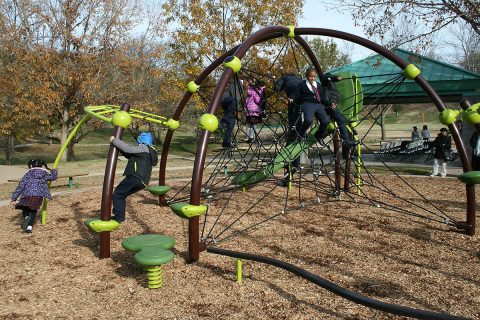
(253, 106)
(31, 190)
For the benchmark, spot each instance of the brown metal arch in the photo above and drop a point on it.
(274, 32)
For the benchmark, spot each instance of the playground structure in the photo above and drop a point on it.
(232, 61)
(278, 156)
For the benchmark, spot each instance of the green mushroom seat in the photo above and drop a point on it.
(98, 225)
(143, 241)
(152, 251)
(158, 190)
(471, 177)
(153, 256)
(187, 210)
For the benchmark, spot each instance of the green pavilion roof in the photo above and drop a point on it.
(450, 82)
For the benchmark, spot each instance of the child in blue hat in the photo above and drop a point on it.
(141, 159)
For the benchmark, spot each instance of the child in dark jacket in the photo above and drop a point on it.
(141, 159)
(31, 190)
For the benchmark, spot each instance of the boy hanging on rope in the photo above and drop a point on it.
(141, 159)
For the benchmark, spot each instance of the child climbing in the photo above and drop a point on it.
(141, 159)
(253, 105)
(31, 190)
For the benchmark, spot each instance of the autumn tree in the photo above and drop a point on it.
(388, 18)
(23, 90)
(328, 54)
(207, 28)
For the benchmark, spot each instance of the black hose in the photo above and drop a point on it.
(336, 289)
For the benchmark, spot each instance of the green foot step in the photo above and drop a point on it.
(187, 211)
(152, 251)
(98, 225)
(158, 190)
(471, 177)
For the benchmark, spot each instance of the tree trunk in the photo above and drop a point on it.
(382, 126)
(9, 148)
(71, 151)
(64, 132)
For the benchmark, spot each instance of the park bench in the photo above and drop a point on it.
(70, 177)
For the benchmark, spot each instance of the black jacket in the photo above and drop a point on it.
(289, 84)
(304, 94)
(141, 159)
(441, 144)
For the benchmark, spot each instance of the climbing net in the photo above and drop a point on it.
(244, 184)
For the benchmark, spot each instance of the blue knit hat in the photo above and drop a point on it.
(145, 138)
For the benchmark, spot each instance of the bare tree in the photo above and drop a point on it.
(466, 44)
(383, 18)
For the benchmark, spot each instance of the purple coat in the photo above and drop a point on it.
(34, 184)
(253, 102)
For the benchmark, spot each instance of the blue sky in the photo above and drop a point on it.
(316, 15)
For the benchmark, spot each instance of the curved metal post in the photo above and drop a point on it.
(107, 190)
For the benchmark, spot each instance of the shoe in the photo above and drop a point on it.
(26, 222)
(432, 175)
(350, 143)
(115, 218)
(29, 229)
(249, 140)
(443, 175)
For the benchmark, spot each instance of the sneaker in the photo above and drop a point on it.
(116, 219)
(432, 176)
(29, 229)
(26, 222)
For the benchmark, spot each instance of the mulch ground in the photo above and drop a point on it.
(55, 273)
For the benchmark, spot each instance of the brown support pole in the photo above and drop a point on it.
(348, 165)
(469, 225)
(107, 191)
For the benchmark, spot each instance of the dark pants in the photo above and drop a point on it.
(475, 163)
(316, 110)
(228, 124)
(294, 124)
(26, 211)
(338, 117)
(127, 187)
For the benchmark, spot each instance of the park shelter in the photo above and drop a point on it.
(450, 82)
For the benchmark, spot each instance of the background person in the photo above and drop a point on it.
(442, 143)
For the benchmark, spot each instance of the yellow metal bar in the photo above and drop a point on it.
(147, 113)
(239, 270)
(57, 160)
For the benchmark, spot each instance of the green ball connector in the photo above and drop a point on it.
(448, 116)
(122, 119)
(192, 87)
(411, 71)
(208, 122)
(291, 34)
(471, 115)
(233, 63)
(173, 124)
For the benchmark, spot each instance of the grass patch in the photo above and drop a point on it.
(404, 170)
